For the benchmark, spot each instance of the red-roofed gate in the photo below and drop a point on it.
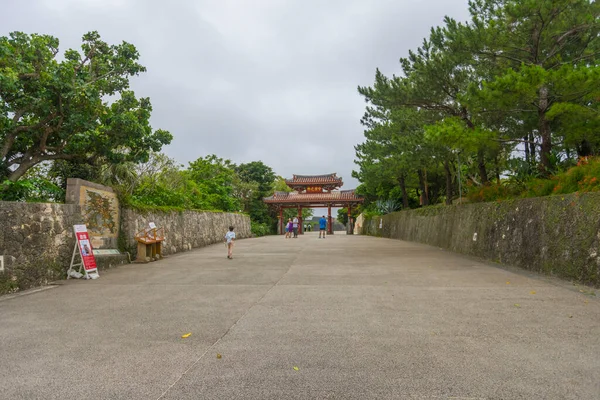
(314, 191)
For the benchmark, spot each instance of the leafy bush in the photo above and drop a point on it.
(584, 177)
(259, 229)
(32, 190)
(539, 188)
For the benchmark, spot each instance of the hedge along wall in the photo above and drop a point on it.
(184, 230)
(556, 235)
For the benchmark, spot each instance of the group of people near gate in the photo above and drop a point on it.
(291, 230)
(291, 227)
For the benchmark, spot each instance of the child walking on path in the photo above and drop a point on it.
(229, 239)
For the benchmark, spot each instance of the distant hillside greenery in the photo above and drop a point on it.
(504, 105)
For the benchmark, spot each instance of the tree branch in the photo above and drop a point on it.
(10, 137)
(515, 141)
(36, 126)
(29, 75)
(559, 46)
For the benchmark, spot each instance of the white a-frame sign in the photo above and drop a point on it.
(83, 247)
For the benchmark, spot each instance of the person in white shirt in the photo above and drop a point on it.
(295, 227)
(229, 239)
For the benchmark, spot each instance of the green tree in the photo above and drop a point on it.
(546, 55)
(53, 109)
(214, 178)
(257, 171)
(261, 177)
(342, 214)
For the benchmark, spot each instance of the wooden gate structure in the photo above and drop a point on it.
(314, 191)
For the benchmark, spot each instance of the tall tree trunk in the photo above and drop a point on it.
(482, 170)
(448, 183)
(480, 156)
(402, 182)
(497, 166)
(527, 158)
(532, 147)
(422, 186)
(544, 128)
(426, 184)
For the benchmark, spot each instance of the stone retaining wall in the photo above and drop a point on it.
(37, 240)
(556, 235)
(184, 230)
(36, 243)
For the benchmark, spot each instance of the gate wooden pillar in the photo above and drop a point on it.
(300, 224)
(329, 224)
(350, 228)
(281, 228)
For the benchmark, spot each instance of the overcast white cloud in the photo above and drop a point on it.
(250, 80)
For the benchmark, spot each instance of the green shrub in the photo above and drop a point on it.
(259, 229)
(32, 190)
(584, 177)
(540, 187)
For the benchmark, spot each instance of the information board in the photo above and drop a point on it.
(83, 246)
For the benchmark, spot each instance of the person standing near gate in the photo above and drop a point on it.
(295, 226)
(322, 226)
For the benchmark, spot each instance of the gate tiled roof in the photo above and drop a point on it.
(341, 196)
(314, 180)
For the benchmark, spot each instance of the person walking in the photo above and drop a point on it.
(288, 228)
(295, 227)
(229, 239)
(322, 226)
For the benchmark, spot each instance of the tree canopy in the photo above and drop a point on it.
(514, 89)
(76, 108)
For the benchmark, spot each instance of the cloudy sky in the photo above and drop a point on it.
(270, 80)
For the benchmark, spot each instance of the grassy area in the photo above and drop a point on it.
(584, 177)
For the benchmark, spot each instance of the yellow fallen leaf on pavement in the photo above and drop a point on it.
(507, 282)
(218, 356)
(517, 305)
(296, 368)
(187, 335)
(532, 292)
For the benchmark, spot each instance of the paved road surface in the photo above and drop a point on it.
(359, 317)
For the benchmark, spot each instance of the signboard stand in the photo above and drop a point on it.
(149, 243)
(87, 262)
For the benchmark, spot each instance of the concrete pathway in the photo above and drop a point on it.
(349, 317)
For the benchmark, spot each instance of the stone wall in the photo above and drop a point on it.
(36, 243)
(184, 230)
(556, 235)
(37, 240)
